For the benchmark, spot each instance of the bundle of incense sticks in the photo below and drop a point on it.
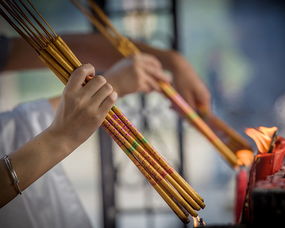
(52, 50)
(232, 140)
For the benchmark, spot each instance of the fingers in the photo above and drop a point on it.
(102, 93)
(153, 67)
(189, 98)
(107, 104)
(199, 99)
(77, 77)
(152, 84)
(156, 73)
(93, 86)
(203, 103)
(151, 60)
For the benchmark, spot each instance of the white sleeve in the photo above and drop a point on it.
(23, 123)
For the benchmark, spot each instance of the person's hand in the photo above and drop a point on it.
(138, 73)
(83, 108)
(189, 85)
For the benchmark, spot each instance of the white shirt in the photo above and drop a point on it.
(51, 201)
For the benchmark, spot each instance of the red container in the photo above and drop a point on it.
(264, 165)
(269, 163)
(241, 185)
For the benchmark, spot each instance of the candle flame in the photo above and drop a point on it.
(262, 136)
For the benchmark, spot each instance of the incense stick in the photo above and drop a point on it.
(126, 48)
(57, 55)
(151, 164)
(162, 162)
(177, 209)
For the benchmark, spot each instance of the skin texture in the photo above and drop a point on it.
(81, 111)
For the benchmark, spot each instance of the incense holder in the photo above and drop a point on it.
(265, 196)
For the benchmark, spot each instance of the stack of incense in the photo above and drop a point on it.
(234, 141)
(52, 50)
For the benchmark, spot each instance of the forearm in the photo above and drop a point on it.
(31, 161)
(89, 48)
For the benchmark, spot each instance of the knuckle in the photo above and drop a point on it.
(90, 67)
(108, 87)
(110, 101)
(113, 98)
(100, 79)
(80, 70)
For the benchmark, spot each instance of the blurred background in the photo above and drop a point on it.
(236, 46)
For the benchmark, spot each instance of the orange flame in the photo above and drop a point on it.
(262, 136)
(245, 157)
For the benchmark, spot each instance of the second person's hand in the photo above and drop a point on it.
(138, 73)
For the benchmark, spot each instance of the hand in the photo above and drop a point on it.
(138, 73)
(189, 85)
(83, 109)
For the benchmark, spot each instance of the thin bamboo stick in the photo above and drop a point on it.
(159, 179)
(140, 151)
(63, 47)
(60, 59)
(61, 78)
(199, 201)
(175, 208)
(56, 54)
(159, 158)
(166, 185)
(190, 200)
(192, 116)
(236, 139)
(125, 47)
(54, 63)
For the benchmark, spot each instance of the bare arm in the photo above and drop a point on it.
(80, 113)
(91, 48)
(98, 50)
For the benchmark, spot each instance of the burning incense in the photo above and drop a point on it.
(126, 48)
(52, 50)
